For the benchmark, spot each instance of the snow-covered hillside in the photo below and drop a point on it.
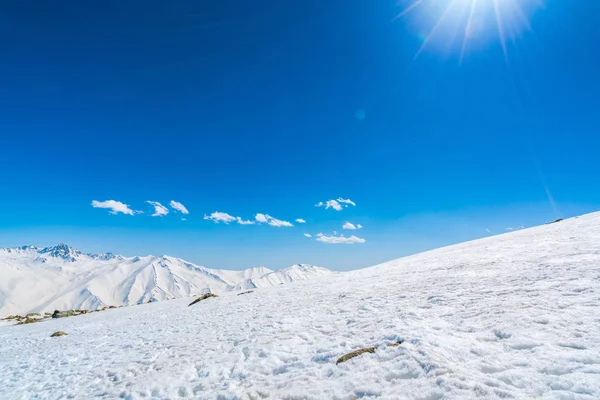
(60, 277)
(515, 316)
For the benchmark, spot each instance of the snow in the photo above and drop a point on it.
(62, 278)
(511, 316)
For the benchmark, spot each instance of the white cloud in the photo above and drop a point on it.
(226, 218)
(244, 222)
(261, 218)
(346, 201)
(300, 221)
(339, 239)
(510, 229)
(220, 217)
(330, 204)
(159, 209)
(487, 230)
(184, 219)
(267, 219)
(179, 207)
(115, 207)
(351, 226)
(337, 205)
(307, 235)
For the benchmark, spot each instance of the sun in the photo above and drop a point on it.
(472, 18)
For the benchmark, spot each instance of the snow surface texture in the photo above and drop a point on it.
(62, 278)
(512, 316)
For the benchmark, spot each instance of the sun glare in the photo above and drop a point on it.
(470, 19)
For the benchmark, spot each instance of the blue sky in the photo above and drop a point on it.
(270, 108)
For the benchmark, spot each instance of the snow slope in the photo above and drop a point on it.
(59, 277)
(512, 316)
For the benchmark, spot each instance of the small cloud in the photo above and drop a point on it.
(300, 221)
(346, 201)
(159, 209)
(220, 217)
(115, 207)
(510, 229)
(226, 218)
(339, 239)
(351, 226)
(184, 219)
(179, 207)
(267, 219)
(308, 235)
(337, 205)
(244, 222)
(487, 230)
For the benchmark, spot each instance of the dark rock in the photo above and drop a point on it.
(358, 352)
(29, 321)
(63, 314)
(398, 343)
(58, 333)
(355, 353)
(203, 297)
(249, 291)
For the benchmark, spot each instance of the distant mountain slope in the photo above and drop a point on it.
(60, 277)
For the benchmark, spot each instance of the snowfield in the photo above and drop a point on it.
(512, 316)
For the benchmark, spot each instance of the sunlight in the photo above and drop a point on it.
(471, 19)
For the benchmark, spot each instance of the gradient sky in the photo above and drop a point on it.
(271, 107)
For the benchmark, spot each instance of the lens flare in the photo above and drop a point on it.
(471, 18)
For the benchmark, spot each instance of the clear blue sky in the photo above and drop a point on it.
(271, 107)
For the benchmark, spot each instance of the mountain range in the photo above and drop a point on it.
(62, 278)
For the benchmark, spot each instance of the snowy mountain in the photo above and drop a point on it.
(63, 278)
(515, 316)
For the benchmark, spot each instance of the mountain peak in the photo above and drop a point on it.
(61, 250)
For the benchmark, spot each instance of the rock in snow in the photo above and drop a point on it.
(62, 278)
(515, 316)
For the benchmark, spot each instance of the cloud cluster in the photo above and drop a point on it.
(339, 239)
(115, 207)
(267, 219)
(337, 205)
(351, 226)
(259, 218)
(218, 217)
(159, 209)
(179, 207)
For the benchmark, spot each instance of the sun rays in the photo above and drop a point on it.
(472, 18)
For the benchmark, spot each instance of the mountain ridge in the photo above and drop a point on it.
(61, 277)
